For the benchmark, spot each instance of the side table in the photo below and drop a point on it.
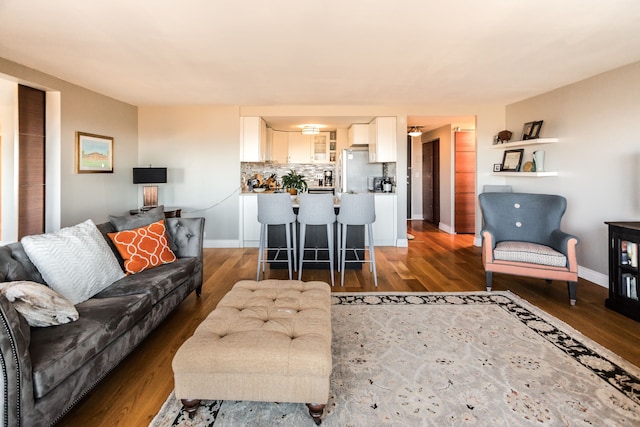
(168, 212)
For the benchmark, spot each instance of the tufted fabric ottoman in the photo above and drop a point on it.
(266, 341)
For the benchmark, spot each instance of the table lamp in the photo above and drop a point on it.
(149, 176)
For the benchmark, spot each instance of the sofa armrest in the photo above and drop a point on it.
(16, 365)
(188, 235)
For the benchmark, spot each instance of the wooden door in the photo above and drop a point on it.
(431, 181)
(31, 163)
(465, 182)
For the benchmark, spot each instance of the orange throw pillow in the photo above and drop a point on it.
(144, 247)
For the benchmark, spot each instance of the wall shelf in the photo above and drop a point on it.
(525, 174)
(537, 141)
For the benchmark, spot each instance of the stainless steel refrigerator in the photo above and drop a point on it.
(354, 168)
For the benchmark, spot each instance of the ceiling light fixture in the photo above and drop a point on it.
(310, 130)
(415, 131)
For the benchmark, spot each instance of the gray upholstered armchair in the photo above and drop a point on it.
(521, 236)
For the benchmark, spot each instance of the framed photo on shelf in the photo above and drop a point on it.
(531, 130)
(526, 131)
(497, 167)
(512, 160)
(535, 129)
(94, 153)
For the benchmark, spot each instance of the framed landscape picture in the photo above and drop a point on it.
(94, 153)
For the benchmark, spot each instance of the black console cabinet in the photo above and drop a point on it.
(624, 275)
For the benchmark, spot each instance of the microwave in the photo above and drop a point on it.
(374, 183)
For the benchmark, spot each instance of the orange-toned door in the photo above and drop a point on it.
(465, 182)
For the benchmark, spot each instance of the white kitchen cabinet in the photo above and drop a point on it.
(382, 140)
(320, 145)
(279, 151)
(249, 225)
(299, 148)
(253, 139)
(359, 134)
(309, 148)
(385, 228)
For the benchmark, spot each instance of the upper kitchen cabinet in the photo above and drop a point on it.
(309, 148)
(382, 140)
(253, 139)
(279, 146)
(359, 134)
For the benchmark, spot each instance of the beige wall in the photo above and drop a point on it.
(71, 197)
(200, 146)
(597, 158)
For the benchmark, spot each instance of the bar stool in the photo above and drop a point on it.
(276, 209)
(356, 209)
(316, 209)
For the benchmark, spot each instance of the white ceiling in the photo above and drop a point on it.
(320, 52)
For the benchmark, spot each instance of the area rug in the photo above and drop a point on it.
(438, 359)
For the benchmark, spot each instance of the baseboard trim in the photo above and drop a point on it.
(446, 228)
(593, 276)
(402, 243)
(210, 243)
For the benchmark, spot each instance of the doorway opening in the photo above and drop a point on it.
(431, 181)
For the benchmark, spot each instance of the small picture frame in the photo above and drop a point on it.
(527, 130)
(94, 153)
(512, 160)
(535, 129)
(497, 167)
(531, 130)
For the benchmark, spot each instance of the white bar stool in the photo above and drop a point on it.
(356, 209)
(316, 209)
(276, 209)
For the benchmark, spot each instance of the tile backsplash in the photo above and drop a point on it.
(308, 170)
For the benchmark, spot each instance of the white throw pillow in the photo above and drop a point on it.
(39, 305)
(75, 261)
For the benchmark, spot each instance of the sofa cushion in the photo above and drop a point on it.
(130, 222)
(40, 305)
(143, 248)
(155, 283)
(58, 351)
(529, 252)
(75, 261)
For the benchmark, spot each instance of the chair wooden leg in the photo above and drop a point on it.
(489, 275)
(573, 291)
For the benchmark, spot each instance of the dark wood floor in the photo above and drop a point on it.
(434, 261)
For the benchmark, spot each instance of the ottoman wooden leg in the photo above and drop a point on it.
(191, 406)
(315, 410)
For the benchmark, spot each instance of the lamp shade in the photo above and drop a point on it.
(149, 175)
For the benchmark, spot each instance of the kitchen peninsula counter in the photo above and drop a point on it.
(384, 229)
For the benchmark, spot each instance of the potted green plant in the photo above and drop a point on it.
(294, 182)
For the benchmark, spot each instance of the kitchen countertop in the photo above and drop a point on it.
(251, 193)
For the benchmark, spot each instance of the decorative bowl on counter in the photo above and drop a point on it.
(259, 190)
